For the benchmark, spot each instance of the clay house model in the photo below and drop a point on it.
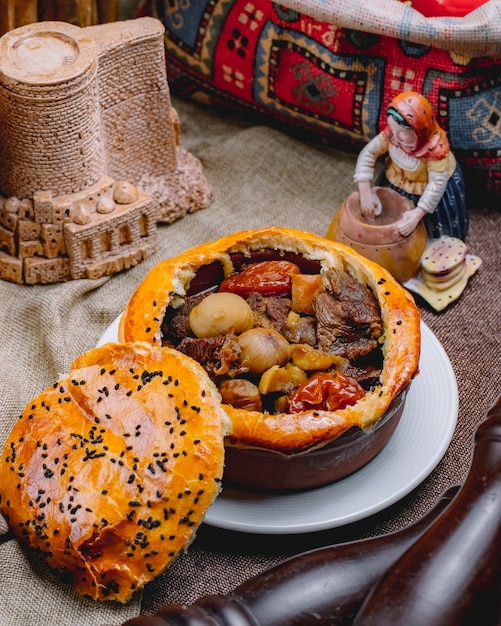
(90, 157)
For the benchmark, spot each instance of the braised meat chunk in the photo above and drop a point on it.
(269, 311)
(216, 354)
(348, 317)
(176, 326)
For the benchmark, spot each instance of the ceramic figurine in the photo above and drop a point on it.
(419, 166)
(90, 158)
(416, 211)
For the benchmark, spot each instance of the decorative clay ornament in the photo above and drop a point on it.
(445, 270)
(419, 166)
(90, 158)
(377, 237)
(415, 218)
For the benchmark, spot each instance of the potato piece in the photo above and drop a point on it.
(298, 376)
(303, 288)
(281, 404)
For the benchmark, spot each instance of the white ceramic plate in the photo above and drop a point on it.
(414, 450)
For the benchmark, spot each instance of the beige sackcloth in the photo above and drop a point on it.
(260, 177)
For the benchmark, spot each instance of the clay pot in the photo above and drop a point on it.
(270, 470)
(276, 471)
(379, 239)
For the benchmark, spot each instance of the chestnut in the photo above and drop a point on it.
(261, 348)
(221, 313)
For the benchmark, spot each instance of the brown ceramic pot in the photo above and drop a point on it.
(275, 471)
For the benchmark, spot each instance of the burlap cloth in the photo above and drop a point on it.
(260, 177)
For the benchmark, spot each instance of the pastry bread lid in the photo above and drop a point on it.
(168, 282)
(109, 472)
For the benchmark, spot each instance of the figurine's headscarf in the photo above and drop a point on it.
(414, 110)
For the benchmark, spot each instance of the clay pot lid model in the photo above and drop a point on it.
(445, 270)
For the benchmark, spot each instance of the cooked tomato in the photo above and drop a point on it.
(326, 391)
(269, 278)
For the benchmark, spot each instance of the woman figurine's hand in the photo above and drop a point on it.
(409, 221)
(370, 204)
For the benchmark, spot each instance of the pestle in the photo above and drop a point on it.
(322, 586)
(452, 574)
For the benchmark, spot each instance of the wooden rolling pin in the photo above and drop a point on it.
(451, 576)
(319, 587)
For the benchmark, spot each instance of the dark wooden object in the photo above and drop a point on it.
(319, 587)
(452, 574)
(443, 570)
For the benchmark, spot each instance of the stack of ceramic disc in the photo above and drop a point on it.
(445, 270)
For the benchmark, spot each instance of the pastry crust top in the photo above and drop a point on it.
(109, 472)
(167, 283)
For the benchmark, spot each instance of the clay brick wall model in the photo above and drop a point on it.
(90, 158)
